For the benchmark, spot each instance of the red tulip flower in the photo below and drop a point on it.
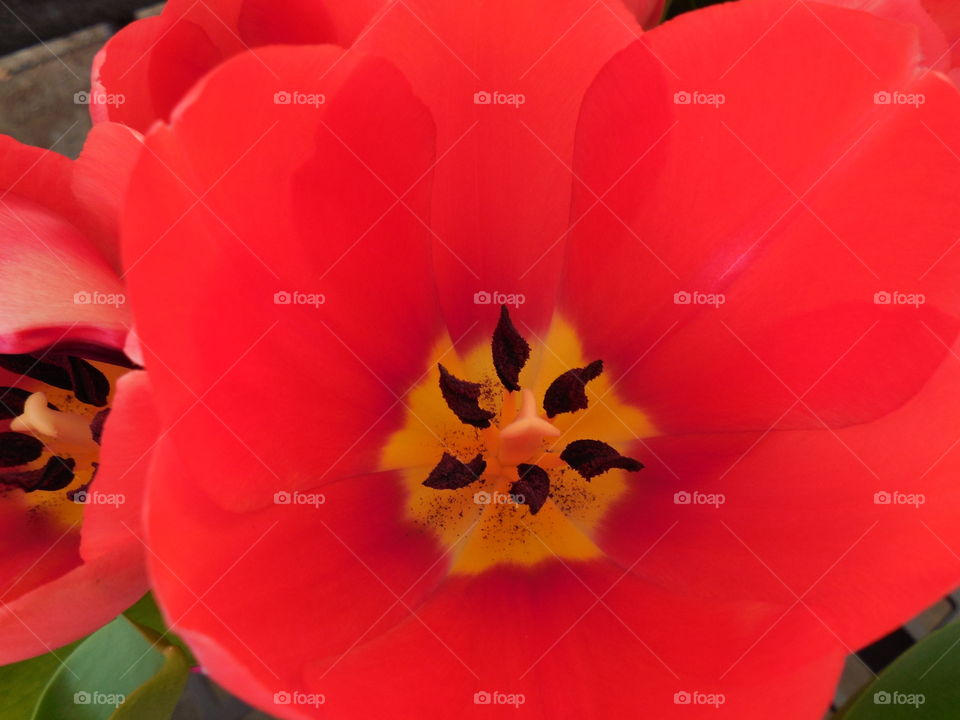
(513, 357)
(70, 484)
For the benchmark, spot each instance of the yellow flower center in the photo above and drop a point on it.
(485, 524)
(56, 408)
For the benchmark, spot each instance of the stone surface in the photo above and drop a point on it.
(39, 87)
(28, 22)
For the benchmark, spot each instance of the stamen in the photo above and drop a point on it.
(96, 425)
(64, 372)
(568, 392)
(510, 351)
(51, 371)
(522, 439)
(592, 457)
(89, 384)
(38, 418)
(452, 474)
(55, 475)
(533, 486)
(18, 449)
(463, 398)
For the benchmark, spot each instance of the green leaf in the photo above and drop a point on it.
(156, 698)
(107, 668)
(920, 683)
(22, 683)
(146, 614)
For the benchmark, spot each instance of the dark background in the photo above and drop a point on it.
(26, 22)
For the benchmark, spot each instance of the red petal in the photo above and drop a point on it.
(36, 551)
(49, 270)
(509, 630)
(71, 605)
(648, 12)
(631, 647)
(799, 516)
(235, 25)
(100, 179)
(127, 443)
(501, 195)
(934, 45)
(312, 554)
(708, 203)
(303, 22)
(946, 14)
(153, 62)
(150, 64)
(295, 199)
(42, 176)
